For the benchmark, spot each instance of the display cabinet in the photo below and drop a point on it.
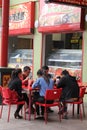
(65, 59)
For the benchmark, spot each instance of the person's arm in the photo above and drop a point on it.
(61, 82)
(19, 88)
(25, 81)
(36, 83)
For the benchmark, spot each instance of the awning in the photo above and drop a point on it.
(56, 18)
(81, 3)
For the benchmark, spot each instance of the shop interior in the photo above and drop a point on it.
(20, 51)
(64, 51)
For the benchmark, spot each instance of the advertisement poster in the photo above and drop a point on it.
(57, 17)
(21, 18)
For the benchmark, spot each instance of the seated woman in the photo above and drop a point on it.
(43, 83)
(15, 83)
(70, 90)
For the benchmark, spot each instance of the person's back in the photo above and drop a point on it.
(15, 82)
(43, 85)
(70, 88)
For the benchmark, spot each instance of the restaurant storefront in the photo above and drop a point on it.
(62, 29)
(19, 45)
(21, 31)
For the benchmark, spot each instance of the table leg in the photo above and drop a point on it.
(78, 109)
(30, 105)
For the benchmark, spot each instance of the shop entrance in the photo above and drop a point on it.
(64, 51)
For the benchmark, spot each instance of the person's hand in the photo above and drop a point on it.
(27, 78)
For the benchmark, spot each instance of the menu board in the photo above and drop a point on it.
(71, 2)
(59, 18)
(21, 18)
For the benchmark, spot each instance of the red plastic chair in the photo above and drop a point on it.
(50, 95)
(0, 89)
(9, 97)
(79, 103)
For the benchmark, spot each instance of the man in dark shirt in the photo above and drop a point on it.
(70, 89)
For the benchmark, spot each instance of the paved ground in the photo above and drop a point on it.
(53, 123)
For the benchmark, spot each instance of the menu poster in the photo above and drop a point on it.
(57, 18)
(82, 3)
(21, 18)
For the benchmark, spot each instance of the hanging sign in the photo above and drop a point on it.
(21, 18)
(0, 3)
(82, 3)
(60, 18)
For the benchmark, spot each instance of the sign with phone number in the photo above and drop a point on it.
(82, 3)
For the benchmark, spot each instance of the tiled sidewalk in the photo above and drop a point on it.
(53, 123)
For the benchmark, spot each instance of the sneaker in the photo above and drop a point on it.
(17, 116)
(40, 118)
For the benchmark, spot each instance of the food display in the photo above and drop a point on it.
(61, 59)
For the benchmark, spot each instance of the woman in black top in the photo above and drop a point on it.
(16, 84)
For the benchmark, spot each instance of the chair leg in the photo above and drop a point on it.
(35, 112)
(24, 112)
(1, 111)
(83, 109)
(45, 115)
(80, 111)
(60, 115)
(9, 109)
(73, 110)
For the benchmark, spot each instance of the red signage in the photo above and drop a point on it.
(60, 18)
(0, 3)
(21, 18)
(82, 3)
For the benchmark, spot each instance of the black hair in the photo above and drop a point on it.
(39, 72)
(26, 68)
(15, 73)
(65, 72)
(45, 67)
(46, 76)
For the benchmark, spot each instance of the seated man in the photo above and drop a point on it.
(70, 90)
(25, 80)
(26, 72)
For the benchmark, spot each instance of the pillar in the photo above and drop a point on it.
(4, 34)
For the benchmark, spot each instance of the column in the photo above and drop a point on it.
(4, 34)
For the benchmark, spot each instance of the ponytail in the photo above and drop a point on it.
(46, 77)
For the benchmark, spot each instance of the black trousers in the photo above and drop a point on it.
(24, 98)
(38, 98)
